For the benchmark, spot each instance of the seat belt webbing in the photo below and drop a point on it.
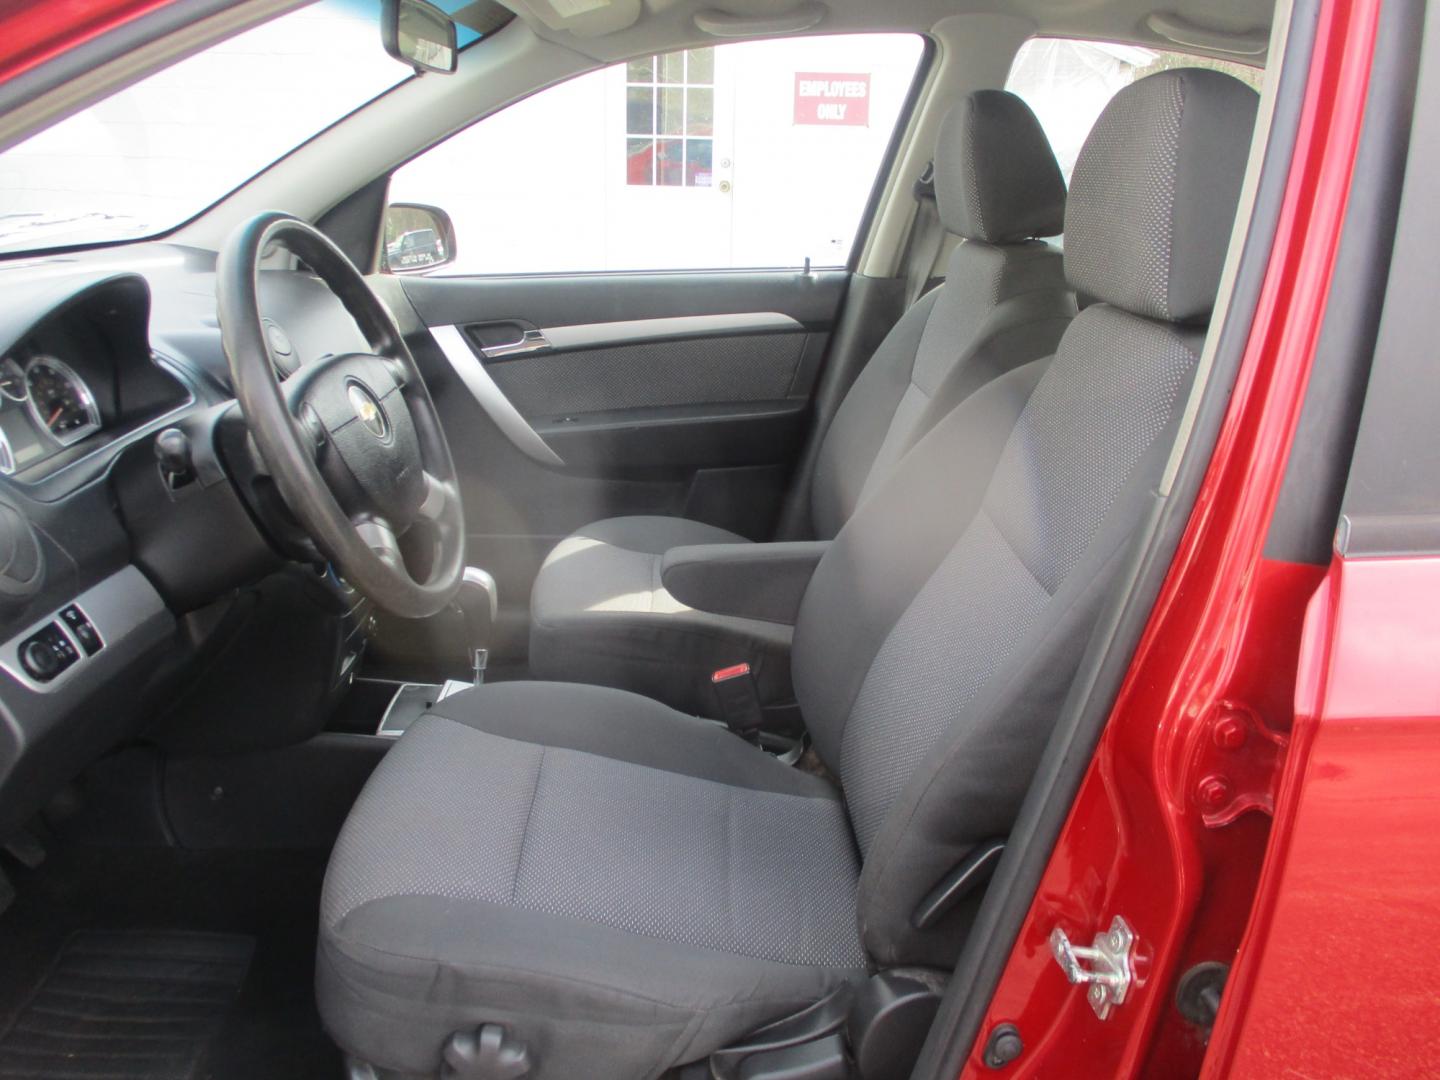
(927, 238)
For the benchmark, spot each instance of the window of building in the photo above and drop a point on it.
(670, 119)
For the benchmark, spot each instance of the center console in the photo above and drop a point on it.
(478, 604)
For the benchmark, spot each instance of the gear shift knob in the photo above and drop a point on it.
(479, 603)
(478, 587)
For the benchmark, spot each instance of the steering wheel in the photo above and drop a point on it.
(352, 441)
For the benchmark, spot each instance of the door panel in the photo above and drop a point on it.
(572, 398)
(651, 372)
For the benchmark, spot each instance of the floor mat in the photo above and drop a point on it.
(127, 1004)
(272, 1031)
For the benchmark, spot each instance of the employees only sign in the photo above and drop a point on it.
(834, 99)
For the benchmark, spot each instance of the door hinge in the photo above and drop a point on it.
(1111, 967)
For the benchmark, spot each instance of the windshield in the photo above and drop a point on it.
(154, 155)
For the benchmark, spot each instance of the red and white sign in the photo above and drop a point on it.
(832, 99)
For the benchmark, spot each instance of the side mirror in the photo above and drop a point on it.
(418, 34)
(417, 238)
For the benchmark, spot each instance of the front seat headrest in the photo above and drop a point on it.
(996, 178)
(1154, 193)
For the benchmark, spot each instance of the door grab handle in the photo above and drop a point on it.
(532, 341)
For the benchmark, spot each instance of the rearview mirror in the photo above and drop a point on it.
(418, 34)
(417, 238)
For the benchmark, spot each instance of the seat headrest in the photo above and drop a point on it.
(1154, 193)
(996, 178)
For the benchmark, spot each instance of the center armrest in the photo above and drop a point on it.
(749, 581)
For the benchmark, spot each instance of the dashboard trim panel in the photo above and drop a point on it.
(117, 606)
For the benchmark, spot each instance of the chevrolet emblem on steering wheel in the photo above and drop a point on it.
(368, 409)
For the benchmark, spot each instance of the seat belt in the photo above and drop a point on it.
(927, 237)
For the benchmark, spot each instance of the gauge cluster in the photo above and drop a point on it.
(77, 373)
(45, 406)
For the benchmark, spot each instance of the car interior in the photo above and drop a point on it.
(518, 667)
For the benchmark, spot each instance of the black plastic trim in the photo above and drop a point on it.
(1391, 504)
(1303, 528)
(350, 224)
(679, 438)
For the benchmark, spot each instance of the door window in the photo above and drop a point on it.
(742, 155)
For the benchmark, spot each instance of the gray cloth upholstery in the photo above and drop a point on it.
(626, 890)
(996, 178)
(599, 611)
(968, 653)
(618, 916)
(1154, 192)
(1000, 307)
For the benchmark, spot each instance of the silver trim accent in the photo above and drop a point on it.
(630, 331)
(531, 341)
(7, 455)
(490, 397)
(485, 581)
(11, 363)
(87, 400)
(395, 700)
(117, 606)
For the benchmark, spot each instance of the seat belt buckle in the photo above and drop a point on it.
(739, 699)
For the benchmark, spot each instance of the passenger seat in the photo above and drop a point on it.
(603, 608)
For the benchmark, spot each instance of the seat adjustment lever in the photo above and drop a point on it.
(972, 872)
(487, 1053)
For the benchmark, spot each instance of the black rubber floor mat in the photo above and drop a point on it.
(126, 1006)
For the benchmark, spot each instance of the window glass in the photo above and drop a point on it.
(1068, 83)
(159, 151)
(750, 154)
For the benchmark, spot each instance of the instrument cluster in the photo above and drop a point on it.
(45, 406)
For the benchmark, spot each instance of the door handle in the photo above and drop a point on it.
(531, 341)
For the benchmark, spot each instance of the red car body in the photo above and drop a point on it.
(34, 34)
(1265, 787)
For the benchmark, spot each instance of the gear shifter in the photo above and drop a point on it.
(479, 602)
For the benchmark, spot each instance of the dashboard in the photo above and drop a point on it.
(111, 566)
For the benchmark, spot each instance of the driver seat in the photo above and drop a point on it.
(621, 888)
